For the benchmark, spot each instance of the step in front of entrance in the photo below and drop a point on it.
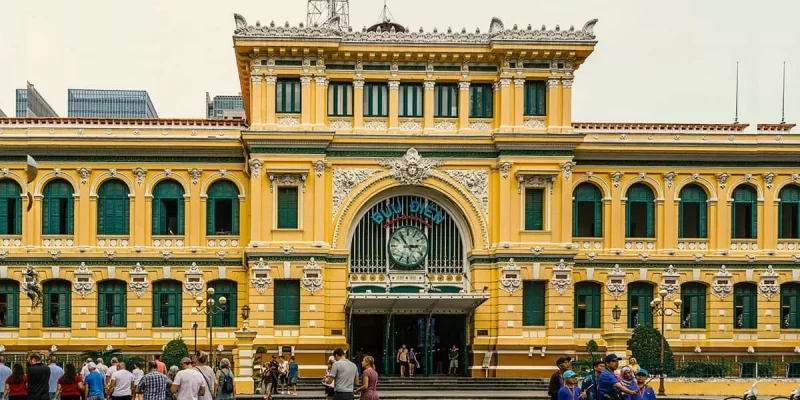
(438, 395)
(445, 384)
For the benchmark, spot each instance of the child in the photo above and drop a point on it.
(570, 390)
(643, 392)
(293, 375)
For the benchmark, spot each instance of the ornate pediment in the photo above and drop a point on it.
(83, 283)
(193, 283)
(411, 169)
(670, 281)
(562, 277)
(769, 287)
(138, 283)
(722, 286)
(312, 276)
(510, 277)
(615, 285)
(260, 278)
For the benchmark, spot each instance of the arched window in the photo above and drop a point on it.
(113, 208)
(56, 305)
(111, 303)
(744, 213)
(168, 208)
(222, 209)
(692, 214)
(745, 306)
(790, 305)
(57, 208)
(789, 213)
(587, 211)
(224, 288)
(693, 310)
(9, 303)
(640, 294)
(587, 305)
(167, 303)
(10, 208)
(640, 215)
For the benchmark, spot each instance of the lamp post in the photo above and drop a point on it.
(194, 327)
(245, 317)
(659, 307)
(209, 307)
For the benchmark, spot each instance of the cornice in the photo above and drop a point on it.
(123, 122)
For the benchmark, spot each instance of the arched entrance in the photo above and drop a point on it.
(409, 280)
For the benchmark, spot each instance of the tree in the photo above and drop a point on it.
(645, 347)
(174, 351)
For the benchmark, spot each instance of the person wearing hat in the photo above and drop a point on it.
(607, 383)
(589, 384)
(564, 364)
(570, 390)
(643, 392)
(95, 383)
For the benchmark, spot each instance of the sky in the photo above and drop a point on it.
(656, 61)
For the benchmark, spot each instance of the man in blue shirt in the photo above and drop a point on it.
(96, 383)
(5, 372)
(607, 382)
(644, 392)
(589, 384)
(55, 373)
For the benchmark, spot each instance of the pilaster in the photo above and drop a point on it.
(319, 201)
(268, 101)
(256, 95)
(660, 222)
(306, 112)
(358, 104)
(394, 106)
(427, 105)
(256, 185)
(566, 105)
(519, 103)
(320, 97)
(463, 105)
(506, 107)
(82, 212)
(553, 118)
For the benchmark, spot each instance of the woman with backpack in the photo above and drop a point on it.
(225, 388)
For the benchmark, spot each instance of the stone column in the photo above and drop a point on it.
(243, 354)
(268, 101)
(463, 105)
(256, 185)
(305, 102)
(428, 110)
(553, 119)
(506, 107)
(394, 106)
(519, 103)
(321, 93)
(566, 105)
(255, 101)
(358, 104)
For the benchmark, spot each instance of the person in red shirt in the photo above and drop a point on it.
(16, 384)
(70, 386)
(162, 368)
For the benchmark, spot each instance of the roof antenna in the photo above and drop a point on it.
(736, 117)
(783, 96)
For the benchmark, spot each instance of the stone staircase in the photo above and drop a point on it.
(442, 383)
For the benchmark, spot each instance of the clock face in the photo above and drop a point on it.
(408, 246)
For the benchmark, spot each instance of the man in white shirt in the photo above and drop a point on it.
(85, 369)
(113, 368)
(101, 368)
(189, 384)
(5, 372)
(121, 383)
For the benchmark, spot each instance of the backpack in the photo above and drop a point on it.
(226, 383)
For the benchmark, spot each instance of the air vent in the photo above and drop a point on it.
(336, 332)
(482, 332)
(537, 65)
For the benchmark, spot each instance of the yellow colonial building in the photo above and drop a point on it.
(398, 187)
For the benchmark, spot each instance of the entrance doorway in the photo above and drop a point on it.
(432, 350)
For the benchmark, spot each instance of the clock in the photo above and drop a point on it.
(408, 247)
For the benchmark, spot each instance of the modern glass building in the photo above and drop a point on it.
(224, 107)
(30, 104)
(97, 103)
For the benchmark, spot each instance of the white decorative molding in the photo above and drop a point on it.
(411, 125)
(510, 277)
(567, 168)
(139, 173)
(538, 181)
(345, 180)
(54, 254)
(287, 249)
(476, 181)
(533, 122)
(481, 126)
(670, 281)
(358, 83)
(769, 179)
(375, 124)
(463, 85)
(138, 283)
(769, 287)
(616, 177)
(410, 169)
(312, 276)
(505, 168)
(319, 168)
(669, 179)
(644, 257)
(261, 278)
(723, 285)
(340, 123)
(722, 179)
(567, 83)
(195, 173)
(552, 83)
(84, 174)
(83, 283)
(287, 179)
(537, 250)
(288, 121)
(255, 167)
(562, 277)
(3, 254)
(193, 282)
(445, 125)
(615, 284)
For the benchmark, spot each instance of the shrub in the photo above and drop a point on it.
(704, 369)
(645, 347)
(174, 351)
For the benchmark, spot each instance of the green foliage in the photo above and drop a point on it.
(174, 351)
(258, 359)
(591, 348)
(584, 367)
(704, 369)
(645, 347)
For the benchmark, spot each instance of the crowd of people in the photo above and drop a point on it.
(606, 381)
(194, 380)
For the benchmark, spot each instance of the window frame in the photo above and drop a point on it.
(530, 212)
(582, 196)
(371, 91)
(347, 102)
(700, 197)
(534, 303)
(52, 208)
(749, 294)
(644, 293)
(533, 105)
(789, 194)
(10, 193)
(160, 227)
(485, 93)
(63, 289)
(417, 103)
(790, 293)
(295, 104)
(439, 109)
(589, 291)
(288, 316)
(229, 289)
(650, 212)
(697, 319)
(119, 205)
(10, 288)
(278, 208)
(168, 287)
(117, 289)
(738, 197)
(222, 189)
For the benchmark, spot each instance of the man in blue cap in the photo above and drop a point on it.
(644, 392)
(570, 390)
(608, 387)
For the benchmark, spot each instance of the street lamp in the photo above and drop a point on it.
(659, 307)
(195, 326)
(209, 307)
(245, 317)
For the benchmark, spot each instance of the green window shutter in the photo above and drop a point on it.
(156, 306)
(651, 219)
(12, 318)
(703, 220)
(287, 208)
(733, 219)
(181, 223)
(293, 306)
(102, 309)
(534, 209)
(235, 216)
(680, 219)
(46, 318)
(575, 224)
(70, 216)
(628, 218)
(158, 221)
(287, 302)
(4, 217)
(598, 218)
(122, 219)
(279, 304)
(46, 216)
(533, 303)
(753, 220)
(210, 217)
(18, 216)
(780, 219)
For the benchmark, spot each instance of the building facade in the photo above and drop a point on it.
(224, 107)
(101, 103)
(31, 104)
(394, 187)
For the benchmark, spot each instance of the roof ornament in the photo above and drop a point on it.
(496, 25)
(241, 23)
(588, 28)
